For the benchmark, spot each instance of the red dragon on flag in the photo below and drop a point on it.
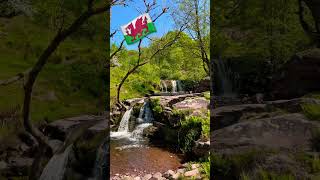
(138, 28)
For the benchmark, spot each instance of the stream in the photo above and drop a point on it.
(132, 154)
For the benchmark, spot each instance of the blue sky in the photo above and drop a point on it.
(122, 15)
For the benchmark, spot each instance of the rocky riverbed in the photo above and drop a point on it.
(185, 171)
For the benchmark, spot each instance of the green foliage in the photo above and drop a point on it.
(190, 131)
(206, 95)
(265, 175)
(234, 166)
(205, 167)
(75, 72)
(312, 111)
(203, 121)
(175, 62)
(156, 107)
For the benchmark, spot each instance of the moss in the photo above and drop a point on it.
(311, 111)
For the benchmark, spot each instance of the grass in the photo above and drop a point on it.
(265, 175)
(311, 111)
(74, 90)
(235, 166)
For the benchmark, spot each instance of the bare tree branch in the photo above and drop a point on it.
(119, 49)
(132, 70)
(15, 78)
(113, 33)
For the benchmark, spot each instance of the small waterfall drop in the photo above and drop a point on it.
(174, 86)
(124, 123)
(57, 166)
(224, 75)
(145, 120)
(165, 86)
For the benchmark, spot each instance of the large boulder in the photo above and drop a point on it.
(61, 128)
(290, 132)
(229, 115)
(298, 76)
(203, 85)
(197, 105)
(168, 101)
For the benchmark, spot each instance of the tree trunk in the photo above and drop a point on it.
(124, 79)
(36, 69)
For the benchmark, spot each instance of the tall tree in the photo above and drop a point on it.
(195, 13)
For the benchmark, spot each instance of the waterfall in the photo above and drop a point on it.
(124, 123)
(145, 116)
(174, 86)
(101, 163)
(163, 86)
(56, 167)
(224, 75)
(179, 85)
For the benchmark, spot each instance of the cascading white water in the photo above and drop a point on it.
(224, 74)
(124, 123)
(57, 166)
(174, 86)
(165, 86)
(146, 116)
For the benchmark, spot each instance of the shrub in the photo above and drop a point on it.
(205, 124)
(206, 95)
(156, 108)
(190, 131)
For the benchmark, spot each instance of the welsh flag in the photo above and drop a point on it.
(138, 28)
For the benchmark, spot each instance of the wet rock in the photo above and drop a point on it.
(291, 105)
(228, 115)
(191, 173)
(168, 101)
(137, 178)
(201, 148)
(195, 166)
(168, 174)
(181, 171)
(147, 177)
(285, 132)
(55, 144)
(60, 128)
(19, 165)
(196, 105)
(299, 76)
(176, 176)
(157, 175)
